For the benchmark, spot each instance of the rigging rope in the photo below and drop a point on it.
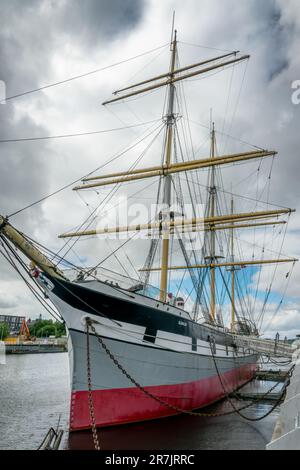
(114, 158)
(6, 246)
(78, 134)
(76, 77)
(89, 220)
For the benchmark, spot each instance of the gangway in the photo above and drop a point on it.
(274, 348)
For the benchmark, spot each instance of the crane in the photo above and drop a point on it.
(24, 331)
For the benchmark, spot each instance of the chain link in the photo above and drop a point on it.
(90, 393)
(163, 402)
(238, 411)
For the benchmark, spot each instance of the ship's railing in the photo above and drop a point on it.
(263, 346)
(113, 278)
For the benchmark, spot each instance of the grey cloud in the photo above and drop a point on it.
(288, 323)
(22, 166)
(32, 31)
(4, 304)
(90, 21)
(278, 68)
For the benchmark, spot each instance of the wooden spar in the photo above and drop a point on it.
(259, 154)
(178, 223)
(167, 178)
(123, 173)
(28, 249)
(176, 168)
(224, 265)
(219, 225)
(177, 79)
(149, 174)
(182, 69)
(198, 228)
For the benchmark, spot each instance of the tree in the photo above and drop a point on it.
(45, 328)
(45, 331)
(4, 331)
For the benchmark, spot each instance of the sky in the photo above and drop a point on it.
(44, 42)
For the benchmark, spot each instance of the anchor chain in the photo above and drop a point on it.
(238, 411)
(159, 400)
(90, 394)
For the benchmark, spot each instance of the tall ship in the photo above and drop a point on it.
(175, 337)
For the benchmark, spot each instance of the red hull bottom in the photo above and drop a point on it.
(129, 405)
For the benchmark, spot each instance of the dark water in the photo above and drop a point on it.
(34, 393)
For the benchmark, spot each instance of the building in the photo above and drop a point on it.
(14, 322)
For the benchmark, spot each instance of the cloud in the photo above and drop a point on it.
(48, 41)
(94, 21)
(5, 303)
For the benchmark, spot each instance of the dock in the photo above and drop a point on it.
(286, 435)
(271, 375)
(273, 396)
(35, 348)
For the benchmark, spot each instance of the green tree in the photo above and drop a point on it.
(61, 329)
(4, 331)
(45, 328)
(45, 331)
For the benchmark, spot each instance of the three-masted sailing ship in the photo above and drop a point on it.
(169, 353)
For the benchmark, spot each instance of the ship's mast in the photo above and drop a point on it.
(232, 274)
(167, 178)
(167, 223)
(212, 191)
